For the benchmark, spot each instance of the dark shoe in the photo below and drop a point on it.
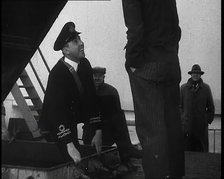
(79, 174)
(134, 152)
(96, 166)
(97, 169)
(121, 170)
(125, 168)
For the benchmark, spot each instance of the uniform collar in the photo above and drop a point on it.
(73, 64)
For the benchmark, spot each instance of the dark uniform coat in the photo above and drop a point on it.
(197, 111)
(64, 106)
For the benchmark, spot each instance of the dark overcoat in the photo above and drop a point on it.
(64, 106)
(197, 111)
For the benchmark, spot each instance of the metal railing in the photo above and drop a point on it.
(37, 77)
(42, 56)
(35, 72)
(215, 140)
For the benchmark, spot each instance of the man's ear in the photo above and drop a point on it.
(65, 50)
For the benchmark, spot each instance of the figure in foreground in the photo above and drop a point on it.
(153, 67)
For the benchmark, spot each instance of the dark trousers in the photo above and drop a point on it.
(114, 130)
(196, 144)
(157, 117)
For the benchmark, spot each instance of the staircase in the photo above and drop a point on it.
(28, 100)
(32, 95)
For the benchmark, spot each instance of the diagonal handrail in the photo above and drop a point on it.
(38, 79)
(42, 56)
(35, 72)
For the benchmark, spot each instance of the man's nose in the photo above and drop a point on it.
(81, 43)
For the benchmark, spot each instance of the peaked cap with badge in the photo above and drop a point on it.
(67, 34)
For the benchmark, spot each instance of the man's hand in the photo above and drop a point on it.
(97, 141)
(73, 152)
(132, 69)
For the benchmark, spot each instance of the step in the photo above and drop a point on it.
(32, 98)
(34, 108)
(23, 86)
(23, 75)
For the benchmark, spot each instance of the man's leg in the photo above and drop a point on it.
(174, 131)
(122, 138)
(150, 126)
(158, 123)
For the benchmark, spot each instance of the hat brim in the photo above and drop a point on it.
(59, 45)
(197, 72)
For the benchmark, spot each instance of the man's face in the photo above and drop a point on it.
(75, 49)
(195, 76)
(98, 79)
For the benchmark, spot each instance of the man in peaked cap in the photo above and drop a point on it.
(70, 96)
(114, 127)
(197, 111)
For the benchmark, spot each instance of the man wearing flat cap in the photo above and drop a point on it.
(197, 111)
(114, 127)
(70, 96)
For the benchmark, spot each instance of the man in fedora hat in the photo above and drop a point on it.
(70, 96)
(197, 111)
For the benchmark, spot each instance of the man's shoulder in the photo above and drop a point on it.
(85, 61)
(57, 67)
(109, 87)
(85, 65)
(205, 85)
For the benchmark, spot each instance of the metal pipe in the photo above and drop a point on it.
(214, 141)
(89, 145)
(214, 138)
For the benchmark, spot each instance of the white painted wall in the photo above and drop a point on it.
(200, 21)
(104, 35)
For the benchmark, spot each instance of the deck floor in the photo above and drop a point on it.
(197, 166)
